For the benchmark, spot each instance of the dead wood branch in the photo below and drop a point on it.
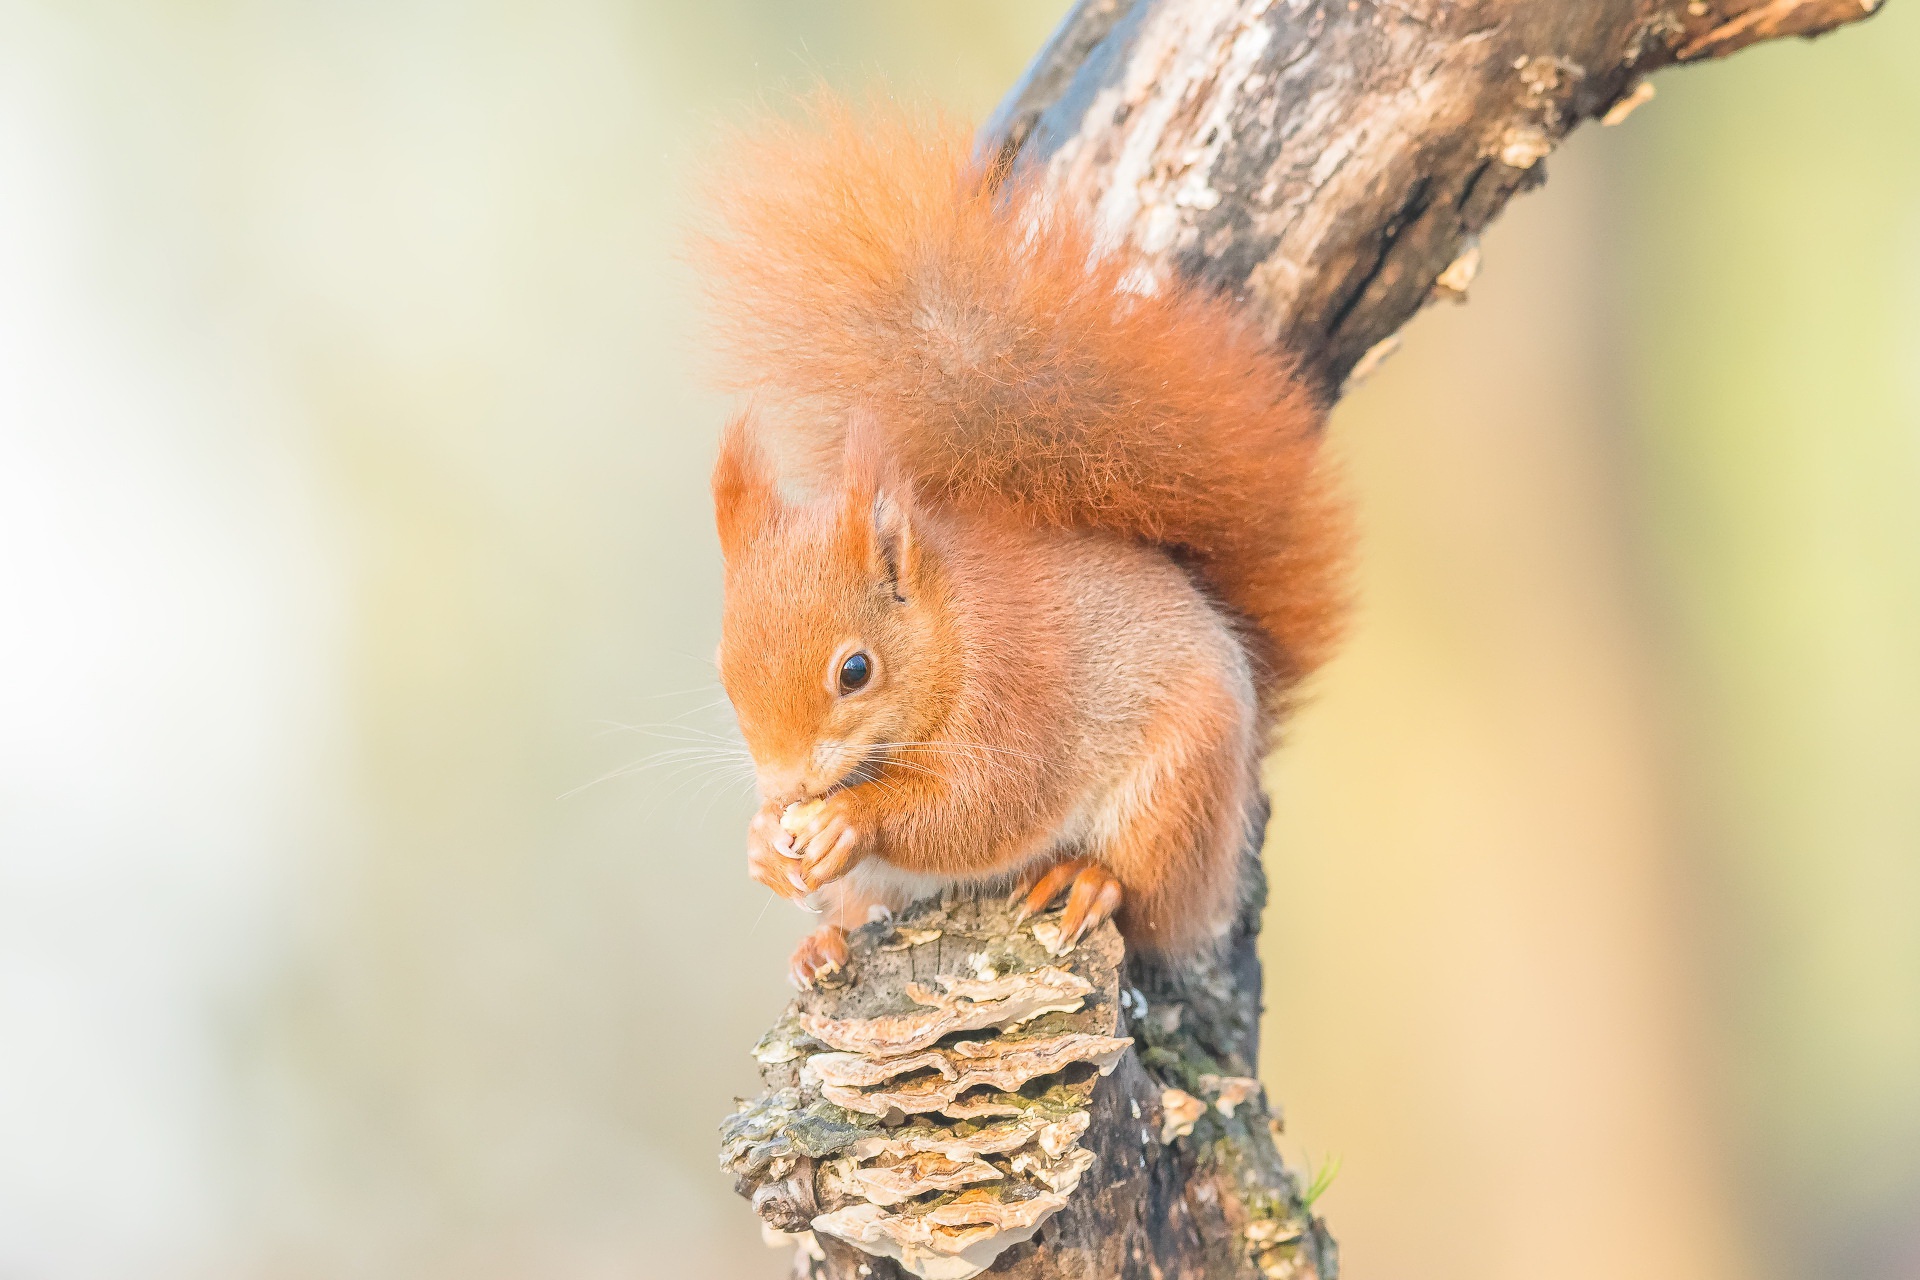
(1332, 164)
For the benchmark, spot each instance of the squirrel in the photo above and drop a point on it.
(1026, 551)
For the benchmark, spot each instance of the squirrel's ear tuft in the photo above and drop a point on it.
(880, 505)
(744, 496)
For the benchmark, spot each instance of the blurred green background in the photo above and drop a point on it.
(356, 573)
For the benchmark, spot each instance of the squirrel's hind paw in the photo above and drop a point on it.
(1093, 895)
(820, 954)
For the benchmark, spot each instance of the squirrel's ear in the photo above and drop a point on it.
(744, 497)
(897, 550)
(881, 504)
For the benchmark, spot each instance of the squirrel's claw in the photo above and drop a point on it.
(828, 850)
(770, 856)
(1095, 896)
(822, 952)
(1040, 891)
(1092, 899)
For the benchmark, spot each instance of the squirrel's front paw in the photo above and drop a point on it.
(771, 855)
(820, 953)
(826, 843)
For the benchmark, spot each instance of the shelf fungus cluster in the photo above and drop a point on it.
(930, 1107)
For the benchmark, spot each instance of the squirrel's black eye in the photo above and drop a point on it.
(855, 671)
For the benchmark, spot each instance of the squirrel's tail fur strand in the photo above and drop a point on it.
(863, 264)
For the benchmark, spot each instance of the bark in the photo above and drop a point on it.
(1331, 163)
(1328, 161)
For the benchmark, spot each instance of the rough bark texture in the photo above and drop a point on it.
(1183, 1180)
(1331, 163)
(1328, 160)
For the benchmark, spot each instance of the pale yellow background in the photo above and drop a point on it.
(353, 531)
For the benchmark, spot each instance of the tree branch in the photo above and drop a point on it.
(1331, 163)
(1328, 160)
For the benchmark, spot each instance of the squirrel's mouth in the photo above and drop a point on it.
(867, 769)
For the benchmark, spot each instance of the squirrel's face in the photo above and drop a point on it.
(831, 637)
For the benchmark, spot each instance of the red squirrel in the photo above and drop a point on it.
(1026, 554)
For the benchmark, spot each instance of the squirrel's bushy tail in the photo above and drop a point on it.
(862, 264)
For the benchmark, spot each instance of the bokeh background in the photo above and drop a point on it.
(358, 919)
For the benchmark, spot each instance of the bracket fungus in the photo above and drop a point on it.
(1229, 1091)
(931, 1110)
(1179, 1112)
(972, 1095)
(939, 1078)
(962, 1004)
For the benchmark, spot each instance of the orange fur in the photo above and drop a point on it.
(864, 263)
(1084, 533)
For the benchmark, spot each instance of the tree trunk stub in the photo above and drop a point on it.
(1179, 1178)
(1331, 163)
